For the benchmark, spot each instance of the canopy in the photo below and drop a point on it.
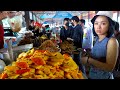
(47, 15)
(49, 22)
(62, 14)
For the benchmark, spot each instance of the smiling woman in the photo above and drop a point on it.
(105, 51)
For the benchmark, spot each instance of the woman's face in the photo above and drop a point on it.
(101, 25)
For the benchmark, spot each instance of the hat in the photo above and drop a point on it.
(108, 14)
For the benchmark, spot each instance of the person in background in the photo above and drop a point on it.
(55, 31)
(105, 51)
(31, 26)
(48, 31)
(77, 38)
(37, 29)
(87, 36)
(1, 37)
(66, 30)
(43, 30)
(87, 40)
(117, 32)
(3, 15)
(117, 36)
(23, 23)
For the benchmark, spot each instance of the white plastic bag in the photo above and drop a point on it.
(2, 65)
(15, 23)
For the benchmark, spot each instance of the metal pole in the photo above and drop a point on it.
(88, 16)
(27, 19)
(117, 15)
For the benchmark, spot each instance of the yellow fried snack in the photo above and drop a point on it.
(53, 70)
(36, 66)
(68, 76)
(27, 60)
(42, 64)
(74, 74)
(54, 63)
(69, 65)
(48, 53)
(11, 68)
(39, 72)
(79, 74)
(46, 70)
(27, 75)
(59, 74)
(30, 52)
(38, 76)
(58, 55)
(51, 76)
(23, 54)
(14, 76)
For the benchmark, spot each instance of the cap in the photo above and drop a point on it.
(104, 13)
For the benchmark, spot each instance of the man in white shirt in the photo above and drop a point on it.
(87, 36)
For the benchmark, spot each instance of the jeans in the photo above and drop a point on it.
(77, 59)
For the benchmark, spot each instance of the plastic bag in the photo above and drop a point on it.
(15, 23)
(2, 65)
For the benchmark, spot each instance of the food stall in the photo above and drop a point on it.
(38, 58)
(45, 62)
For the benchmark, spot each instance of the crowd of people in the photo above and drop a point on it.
(104, 56)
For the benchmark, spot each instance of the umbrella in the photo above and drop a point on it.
(62, 14)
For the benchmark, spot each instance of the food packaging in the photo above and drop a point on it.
(15, 23)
